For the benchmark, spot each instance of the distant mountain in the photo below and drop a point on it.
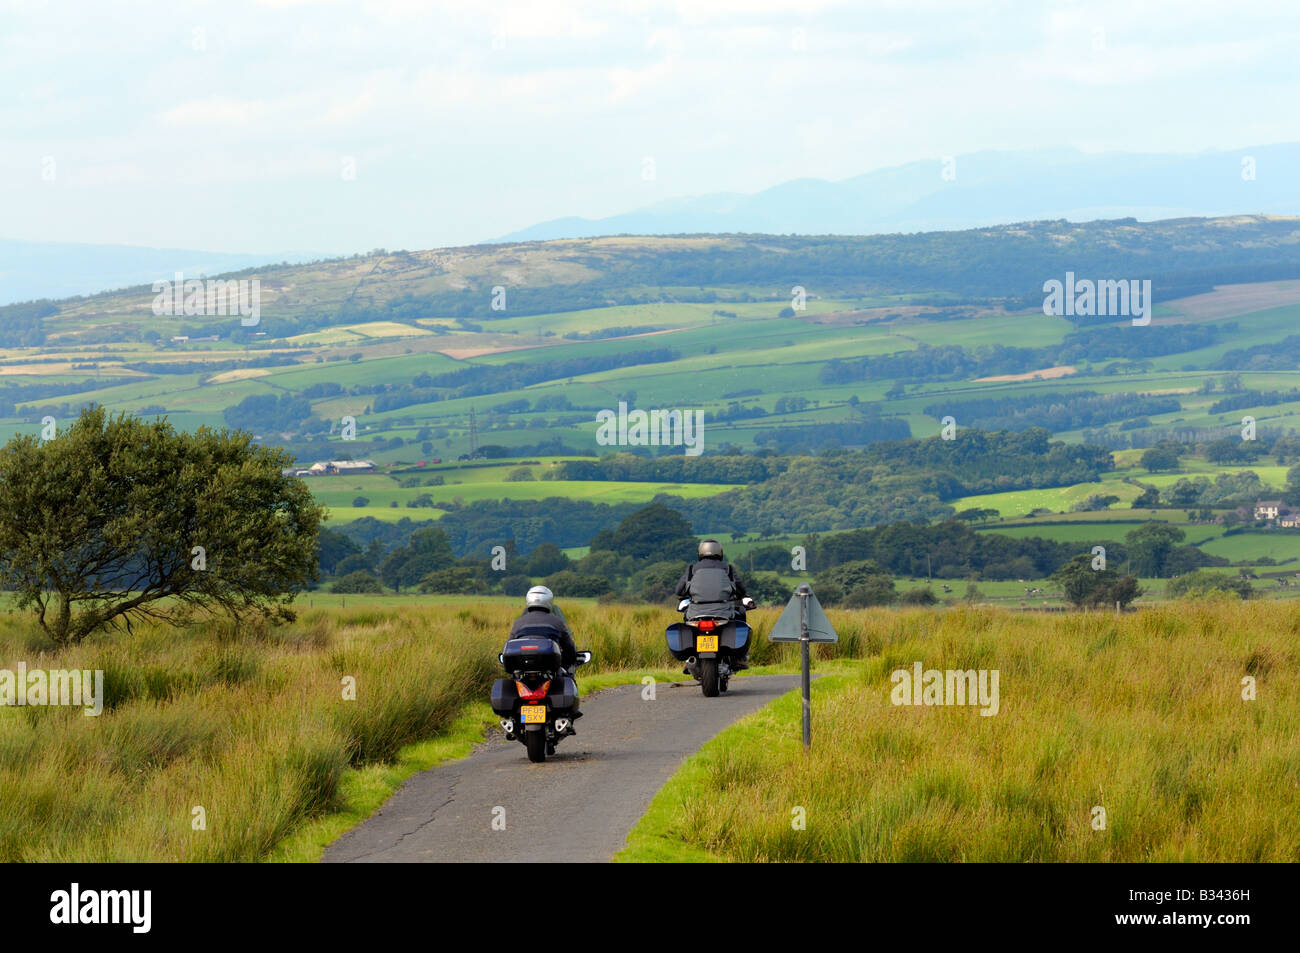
(980, 189)
(31, 270)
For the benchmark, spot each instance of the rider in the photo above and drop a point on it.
(713, 588)
(542, 612)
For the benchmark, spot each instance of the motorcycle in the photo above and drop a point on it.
(711, 645)
(538, 703)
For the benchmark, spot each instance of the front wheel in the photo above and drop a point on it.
(709, 677)
(536, 744)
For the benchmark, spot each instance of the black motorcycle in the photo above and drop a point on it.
(713, 646)
(538, 703)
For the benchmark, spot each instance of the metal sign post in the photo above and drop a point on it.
(803, 592)
(806, 624)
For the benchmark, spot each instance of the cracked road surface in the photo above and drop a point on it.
(576, 807)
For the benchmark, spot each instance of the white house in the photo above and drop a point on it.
(1268, 509)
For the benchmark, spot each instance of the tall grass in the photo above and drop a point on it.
(1141, 715)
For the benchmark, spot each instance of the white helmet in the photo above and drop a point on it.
(539, 597)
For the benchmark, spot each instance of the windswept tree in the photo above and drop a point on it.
(119, 518)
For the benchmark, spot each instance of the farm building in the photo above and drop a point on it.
(341, 467)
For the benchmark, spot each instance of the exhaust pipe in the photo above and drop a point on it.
(508, 726)
(561, 726)
(691, 662)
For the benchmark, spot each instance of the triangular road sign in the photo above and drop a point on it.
(789, 626)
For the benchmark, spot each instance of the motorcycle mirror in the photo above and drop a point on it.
(584, 658)
(683, 604)
(501, 657)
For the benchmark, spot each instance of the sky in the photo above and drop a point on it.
(264, 126)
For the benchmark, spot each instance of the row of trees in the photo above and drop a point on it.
(1056, 412)
(643, 555)
(952, 550)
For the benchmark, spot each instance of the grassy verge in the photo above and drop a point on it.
(657, 837)
(364, 789)
(1142, 717)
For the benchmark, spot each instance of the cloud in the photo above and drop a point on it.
(215, 111)
(457, 138)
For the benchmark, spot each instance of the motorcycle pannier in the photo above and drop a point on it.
(504, 696)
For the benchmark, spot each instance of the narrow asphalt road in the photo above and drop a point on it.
(576, 807)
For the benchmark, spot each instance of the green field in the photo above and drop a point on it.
(382, 498)
(719, 359)
(1284, 547)
(1080, 532)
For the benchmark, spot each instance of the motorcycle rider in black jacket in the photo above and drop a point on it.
(542, 612)
(714, 588)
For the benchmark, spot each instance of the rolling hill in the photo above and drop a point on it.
(897, 335)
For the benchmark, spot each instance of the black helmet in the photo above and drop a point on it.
(710, 549)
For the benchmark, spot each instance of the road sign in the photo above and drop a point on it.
(789, 627)
(804, 621)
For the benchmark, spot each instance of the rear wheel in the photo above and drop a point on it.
(536, 744)
(709, 676)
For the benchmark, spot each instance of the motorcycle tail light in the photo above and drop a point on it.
(532, 694)
(706, 625)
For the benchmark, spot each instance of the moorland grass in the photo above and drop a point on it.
(1141, 715)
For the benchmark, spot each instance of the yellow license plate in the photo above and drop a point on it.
(533, 714)
(706, 643)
